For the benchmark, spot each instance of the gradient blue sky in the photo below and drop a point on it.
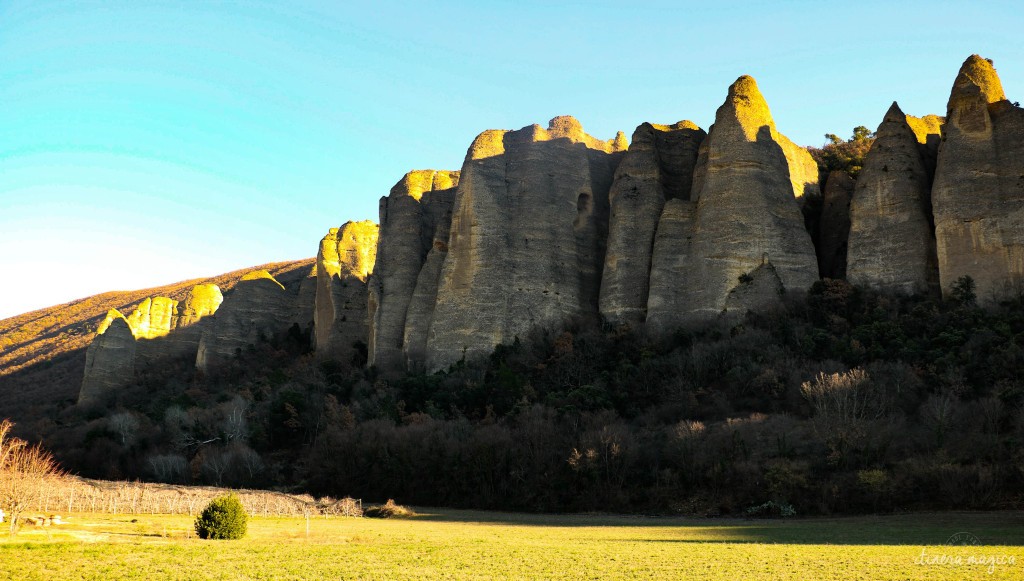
(142, 143)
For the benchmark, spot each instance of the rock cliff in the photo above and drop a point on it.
(110, 358)
(746, 214)
(413, 218)
(834, 225)
(891, 244)
(658, 166)
(258, 307)
(343, 264)
(978, 193)
(527, 240)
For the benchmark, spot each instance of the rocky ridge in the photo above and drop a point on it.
(541, 225)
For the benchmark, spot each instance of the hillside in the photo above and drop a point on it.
(42, 353)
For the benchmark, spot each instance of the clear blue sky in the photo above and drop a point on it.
(143, 143)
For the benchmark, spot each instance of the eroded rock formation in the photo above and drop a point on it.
(527, 240)
(834, 225)
(110, 359)
(658, 166)
(414, 221)
(891, 244)
(978, 193)
(255, 309)
(343, 264)
(746, 215)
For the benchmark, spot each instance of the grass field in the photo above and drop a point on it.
(482, 545)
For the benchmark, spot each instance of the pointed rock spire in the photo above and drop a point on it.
(746, 106)
(977, 192)
(891, 245)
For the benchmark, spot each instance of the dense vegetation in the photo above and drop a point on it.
(839, 155)
(845, 401)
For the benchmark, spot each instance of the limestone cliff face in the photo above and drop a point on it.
(978, 193)
(746, 215)
(891, 244)
(158, 329)
(527, 240)
(658, 166)
(155, 317)
(672, 267)
(110, 359)
(834, 225)
(258, 306)
(202, 300)
(343, 264)
(412, 216)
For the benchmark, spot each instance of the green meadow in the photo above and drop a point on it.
(452, 544)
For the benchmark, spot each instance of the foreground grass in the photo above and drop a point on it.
(482, 545)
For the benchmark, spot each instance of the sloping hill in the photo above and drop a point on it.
(42, 353)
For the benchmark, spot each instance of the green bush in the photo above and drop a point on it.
(771, 509)
(223, 518)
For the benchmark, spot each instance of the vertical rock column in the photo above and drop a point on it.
(416, 207)
(344, 262)
(110, 359)
(658, 166)
(891, 245)
(527, 240)
(978, 193)
(834, 227)
(746, 216)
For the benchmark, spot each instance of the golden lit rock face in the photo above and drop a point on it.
(414, 235)
(658, 166)
(977, 82)
(978, 192)
(746, 215)
(891, 245)
(527, 238)
(154, 317)
(201, 301)
(344, 263)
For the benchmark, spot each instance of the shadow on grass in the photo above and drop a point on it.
(991, 528)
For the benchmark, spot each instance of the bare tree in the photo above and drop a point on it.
(236, 424)
(25, 473)
(124, 424)
(168, 467)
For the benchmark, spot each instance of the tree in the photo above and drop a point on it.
(847, 156)
(25, 472)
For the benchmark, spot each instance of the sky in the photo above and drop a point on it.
(146, 142)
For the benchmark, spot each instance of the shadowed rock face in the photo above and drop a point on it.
(978, 193)
(834, 227)
(110, 359)
(412, 216)
(891, 244)
(258, 306)
(159, 329)
(343, 264)
(659, 166)
(746, 214)
(527, 240)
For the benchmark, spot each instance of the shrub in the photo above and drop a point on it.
(389, 509)
(771, 509)
(223, 518)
